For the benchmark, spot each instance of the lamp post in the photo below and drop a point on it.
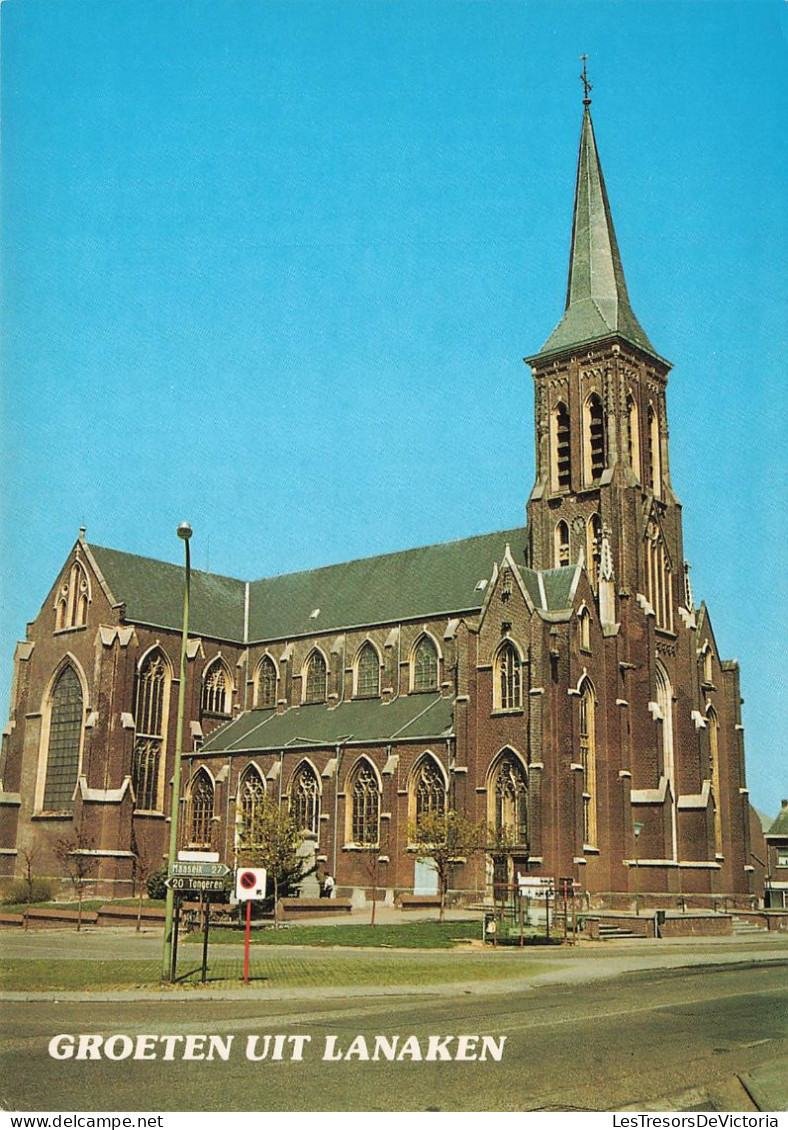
(185, 532)
(637, 828)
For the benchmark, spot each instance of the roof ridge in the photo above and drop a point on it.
(161, 561)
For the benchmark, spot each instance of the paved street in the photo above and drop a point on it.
(639, 1025)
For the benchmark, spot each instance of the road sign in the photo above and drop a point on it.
(200, 870)
(250, 883)
(185, 884)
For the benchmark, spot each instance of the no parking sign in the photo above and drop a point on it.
(250, 883)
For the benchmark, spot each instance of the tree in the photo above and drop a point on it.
(142, 869)
(75, 856)
(371, 862)
(269, 837)
(448, 839)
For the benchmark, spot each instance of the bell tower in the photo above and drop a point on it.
(602, 491)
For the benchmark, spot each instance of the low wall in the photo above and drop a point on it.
(696, 925)
(303, 908)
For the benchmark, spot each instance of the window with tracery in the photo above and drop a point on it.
(368, 672)
(149, 705)
(71, 610)
(561, 448)
(266, 683)
(201, 809)
(587, 738)
(508, 678)
(594, 548)
(510, 799)
(216, 693)
(633, 435)
(65, 738)
(305, 799)
(429, 789)
(251, 793)
(425, 665)
(594, 438)
(365, 801)
(708, 671)
(561, 539)
(316, 678)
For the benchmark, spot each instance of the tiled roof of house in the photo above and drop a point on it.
(417, 717)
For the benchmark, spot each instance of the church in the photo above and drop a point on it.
(556, 681)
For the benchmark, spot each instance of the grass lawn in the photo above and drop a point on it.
(406, 935)
(277, 969)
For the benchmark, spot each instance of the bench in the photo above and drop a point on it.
(53, 916)
(419, 902)
(292, 908)
(111, 915)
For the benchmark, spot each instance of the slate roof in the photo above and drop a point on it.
(780, 825)
(428, 581)
(433, 580)
(153, 594)
(416, 717)
(597, 302)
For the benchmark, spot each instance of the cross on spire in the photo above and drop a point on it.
(587, 87)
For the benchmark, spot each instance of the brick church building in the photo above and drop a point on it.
(556, 680)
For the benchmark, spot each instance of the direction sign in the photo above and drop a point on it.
(200, 870)
(185, 883)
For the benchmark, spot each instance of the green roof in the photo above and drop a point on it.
(378, 590)
(152, 592)
(435, 580)
(415, 717)
(597, 302)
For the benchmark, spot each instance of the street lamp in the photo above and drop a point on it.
(637, 828)
(184, 531)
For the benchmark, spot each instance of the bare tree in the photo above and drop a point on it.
(142, 868)
(74, 854)
(371, 862)
(448, 839)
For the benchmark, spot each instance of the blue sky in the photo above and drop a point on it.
(273, 267)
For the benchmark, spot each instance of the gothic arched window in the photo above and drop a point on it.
(653, 453)
(428, 789)
(149, 715)
(584, 624)
(509, 793)
(507, 675)
(365, 805)
(266, 683)
(594, 439)
(561, 539)
(561, 448)
(587, 736)
(305, 799)
(659, 578)
(251, 793)
(315, 678)
(201, 809)
(368, 672)
(425, 665)
(216, 690)
(65, 739)
(665, 704)
(71, 609)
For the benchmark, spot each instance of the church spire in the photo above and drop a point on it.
(597, 303)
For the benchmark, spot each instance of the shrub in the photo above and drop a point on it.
(33, 890)
(155, 884)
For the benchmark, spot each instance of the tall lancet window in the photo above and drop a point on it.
(561, 450)
(594, 438)
(561, 537)
(714, 770)
(594, 548)
(587, 736)
(633, 435)
(65, 739)
(653, 456)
